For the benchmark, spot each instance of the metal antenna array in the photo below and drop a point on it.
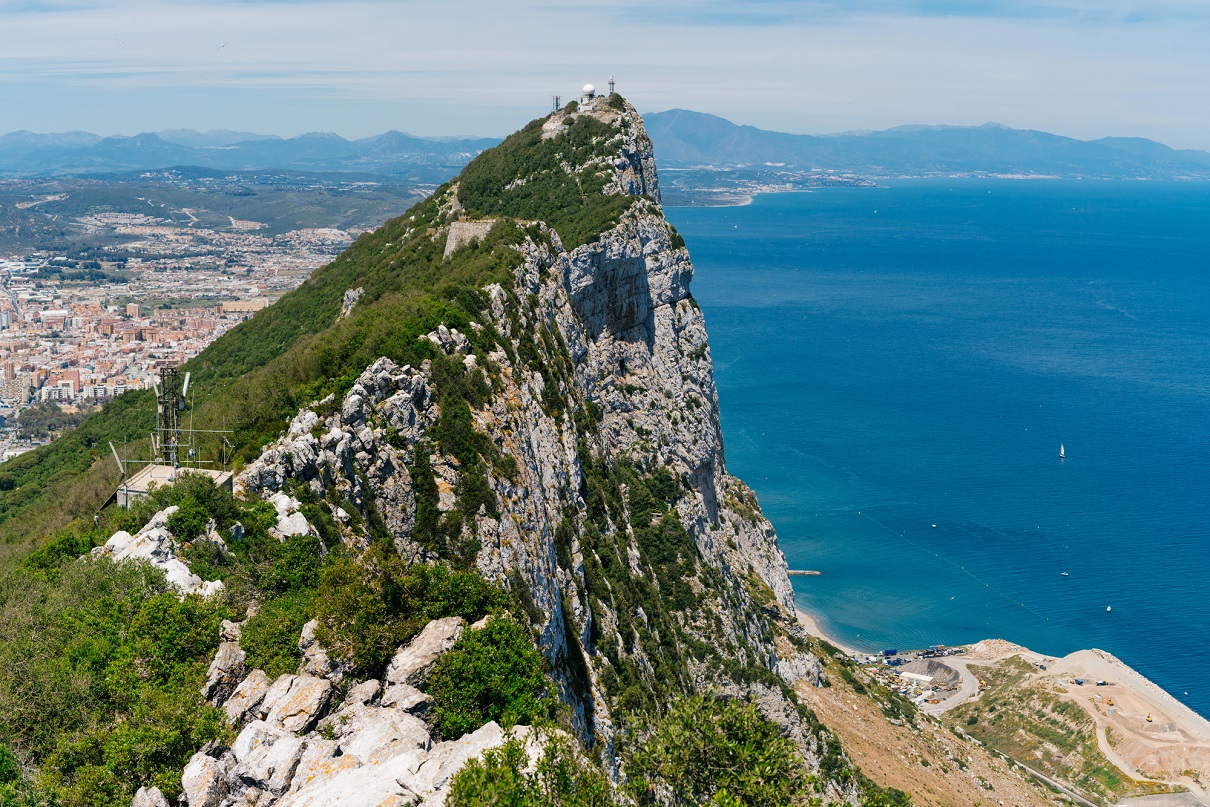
(554, 101)
(172, 442)
(170, 405)
(611, 85)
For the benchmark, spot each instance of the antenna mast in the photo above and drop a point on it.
(554, 102)
(611, 85)
(170, 403)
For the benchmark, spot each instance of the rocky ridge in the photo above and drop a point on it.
(647, 568)
(300, 744)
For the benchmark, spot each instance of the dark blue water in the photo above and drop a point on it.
(893, 358)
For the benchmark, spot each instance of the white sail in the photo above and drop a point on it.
(1062, 453)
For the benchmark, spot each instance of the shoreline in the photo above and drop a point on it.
(1178, 735)
(811, 625)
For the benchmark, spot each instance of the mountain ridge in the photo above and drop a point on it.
(684, 138)
(687, 138)
(508, 387)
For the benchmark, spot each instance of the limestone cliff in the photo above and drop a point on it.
(594, 484)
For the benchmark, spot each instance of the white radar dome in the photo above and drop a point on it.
(589, 89)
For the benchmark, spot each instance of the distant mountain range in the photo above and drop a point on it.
(682, 139)
(396, 153)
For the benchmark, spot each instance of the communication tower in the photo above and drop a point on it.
(172, 443)
(170, 405)
(611, 85)
(554, 102)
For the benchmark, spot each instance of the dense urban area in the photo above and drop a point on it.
(107, 294)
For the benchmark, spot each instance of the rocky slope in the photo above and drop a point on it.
(580, 464)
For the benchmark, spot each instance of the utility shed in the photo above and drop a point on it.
(160, 475)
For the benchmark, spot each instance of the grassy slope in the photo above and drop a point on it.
(254, 378)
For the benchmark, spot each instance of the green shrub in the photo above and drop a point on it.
(10, 771)
(105, 765)
(368, 608)
(104, 666)
(270, 636)
(492, 673)
(189, 522)
(562, 778)
(704, 746)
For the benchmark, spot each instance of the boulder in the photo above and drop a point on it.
(229, 631)
(295, 702)
(375, 734)
(365, 692)
(267, 756)
(226, 671)
(446, 759)
(293, 524)
(247, 697)
(320, 761)
(149, 797)
(407, 698)
(411, 664)
(204, 781)
(315, 659)
(379, 785)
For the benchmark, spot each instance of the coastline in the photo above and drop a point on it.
(811, 626)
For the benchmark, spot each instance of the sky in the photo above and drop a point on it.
(1080, 68)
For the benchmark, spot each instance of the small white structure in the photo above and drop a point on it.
(588, 97)
(160, 475)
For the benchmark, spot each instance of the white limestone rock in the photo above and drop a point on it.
(149, 797)
(266, 756)
(204, 781)
(226, 671)
(229, 631)
(407, 698)
(156, 545)
(295, 702)
(411, 664)
(247, 697)
(374, 734)
(315, 659)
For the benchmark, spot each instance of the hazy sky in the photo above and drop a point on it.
(1077, 67)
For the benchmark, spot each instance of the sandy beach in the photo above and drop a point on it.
(811, 625)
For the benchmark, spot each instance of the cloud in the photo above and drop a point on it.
(1074, 66)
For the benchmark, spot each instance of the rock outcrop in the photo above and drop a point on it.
(295, 748)
(155, 544)
(600, 473)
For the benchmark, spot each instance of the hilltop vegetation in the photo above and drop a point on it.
(653, 672)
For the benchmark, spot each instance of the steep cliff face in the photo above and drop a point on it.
(584, 469)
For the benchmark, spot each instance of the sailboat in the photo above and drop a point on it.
(1062, 453)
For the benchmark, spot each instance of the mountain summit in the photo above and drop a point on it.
(481, 545)
(500, 407)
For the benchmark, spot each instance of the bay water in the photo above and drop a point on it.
(897, 369)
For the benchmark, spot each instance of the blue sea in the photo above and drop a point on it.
(897, 369)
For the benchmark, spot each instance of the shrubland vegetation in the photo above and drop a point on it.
(563, 777)
(713, 751)
(106, 660)
(524, 178)
(1014, 714)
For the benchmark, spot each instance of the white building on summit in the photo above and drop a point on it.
(589, 95)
